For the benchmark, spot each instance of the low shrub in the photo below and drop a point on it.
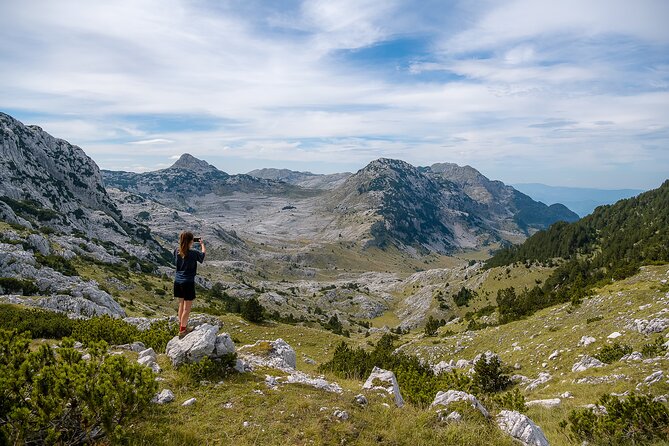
(636, 419)
(209, 369)
(9, 285)
(655, 348)
(116, 331)
(40, 323)
(489, 374)
(612, 353)
(511, 400)
(57, 263)
(71, 401)
(418, 382)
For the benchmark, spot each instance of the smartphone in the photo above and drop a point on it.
(197, 239)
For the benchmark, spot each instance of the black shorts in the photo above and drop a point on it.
(185, 291)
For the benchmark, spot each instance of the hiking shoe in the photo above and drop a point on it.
(182, 334)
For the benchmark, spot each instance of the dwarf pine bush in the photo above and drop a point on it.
(53, 396)
(612, 353)
(636, 419)
(490, 375)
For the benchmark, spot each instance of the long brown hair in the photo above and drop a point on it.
(185, 238)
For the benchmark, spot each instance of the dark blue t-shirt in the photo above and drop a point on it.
(187, 267)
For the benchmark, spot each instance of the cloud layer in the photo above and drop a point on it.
(565, 93)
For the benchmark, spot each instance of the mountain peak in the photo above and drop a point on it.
(189, 162)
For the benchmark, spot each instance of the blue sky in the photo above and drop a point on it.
(571, 93)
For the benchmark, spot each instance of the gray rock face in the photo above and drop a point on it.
(385, 376)
(361, 399)
(39, 244)
(201, 342)
(63, 185)
(651, 379)
(585, 363)
(521, 428)
(452, 396)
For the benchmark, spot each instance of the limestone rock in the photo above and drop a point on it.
(165, 396)
(446, 416)
(521, 428)
(614, 335)
(388, 377)
(39, 243)
(201, 342)
(586, 340)
(361, 399)
(189, 402)
(543, 378)
(451, 396)
(652, 378)
(548, 403)
(149, 352)
(585, 363)
(341, 415)
(647, 327)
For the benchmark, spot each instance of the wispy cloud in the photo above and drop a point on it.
(525, 90)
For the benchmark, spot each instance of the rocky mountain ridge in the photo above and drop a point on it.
(48, 183)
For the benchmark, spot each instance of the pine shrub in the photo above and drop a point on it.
(489, 374)
(636, 419)
(53, 396)
(612, 353)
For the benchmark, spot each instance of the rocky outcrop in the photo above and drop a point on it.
(51, 183)
(200, 343)
(543, 378)
(452, 396)
(651, 326)
(380, 376)
(164, 397)
(148, 358)
(521, 428)
(585, 363)
(276, 354)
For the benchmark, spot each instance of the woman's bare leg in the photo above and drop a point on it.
(186, 312)
(181, 311)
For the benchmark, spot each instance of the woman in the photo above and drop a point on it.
(185, 260)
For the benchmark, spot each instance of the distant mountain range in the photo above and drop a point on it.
(441, 208)
(580, 200)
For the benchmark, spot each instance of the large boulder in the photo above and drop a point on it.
(385, 376)
(201, 342)
(521, 428)
(452, 396)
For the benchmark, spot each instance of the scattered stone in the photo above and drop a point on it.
(147, 353)
(596, 408)
(297, 377)
(521, 428)
(585, 341)
(567, 395)
(361, 399)
(585, 363)
(554, 355)
(242, 367)
(446, 416)
(543, 378)
(134, 347)
(86, 357)
(634, 356)
(271, 381)
(651, 379)
(341, 415)
(548, 403)
(78, 345)
(614, 335)
(189, 402)
(647, 327)
(451, 396)
(608, 379)
(308, 360)
(165, 396)
(388, 377)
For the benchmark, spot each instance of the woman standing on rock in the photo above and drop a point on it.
(185, 260)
